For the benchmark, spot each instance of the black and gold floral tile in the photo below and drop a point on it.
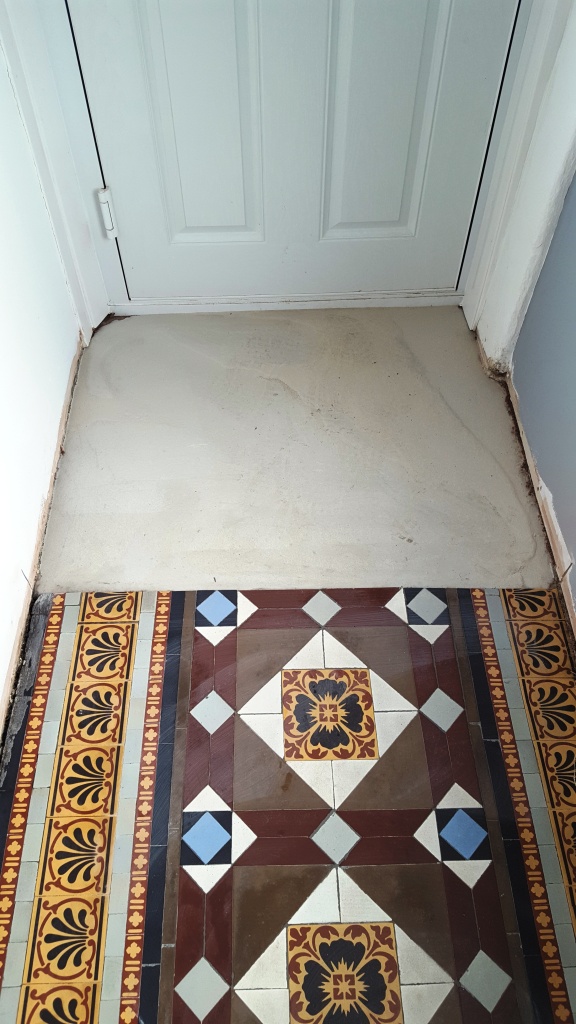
(328, 714)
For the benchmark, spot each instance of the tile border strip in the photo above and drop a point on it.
(140, 862)
(25, 778)
(542, 914)
(549, 724)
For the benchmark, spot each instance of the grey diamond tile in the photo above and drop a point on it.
(335, 837)
(485, 981)
(441, 709)
(321, 608)
(427, 606)
(201, 988)
(212, 712)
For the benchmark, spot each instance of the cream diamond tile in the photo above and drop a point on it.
(212, 712)
(430, 633)
(242, 837)
(427, 834)
(335, 837)
(441, 709)
(202, 988)
(427, 606)
(397, 605)
(206, 875)
(457, 797)
(485, 981)
(246, 608)
(215, 634)
(207, 800)
(321, 608)
(469, 871)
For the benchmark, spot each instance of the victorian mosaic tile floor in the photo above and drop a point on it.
(292, 807)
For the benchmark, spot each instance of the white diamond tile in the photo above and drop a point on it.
(321, 608)
(397, 605)
(457, 797)
(335, 837)
(206, 875)
(202, 988)
(321, 907)
(441, 709)
(215, 634)
(427, 834)
(469, 871)
(212, 712)
(427, 606)
(355, 904)
(246, 608)
(270, 969)
(207, 800)
(242, 837)
(485, 981)
(430, 633)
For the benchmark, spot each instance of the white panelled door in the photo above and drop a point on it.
(304, 149)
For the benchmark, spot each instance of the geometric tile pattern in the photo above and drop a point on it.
(346, 876)
(542, 916)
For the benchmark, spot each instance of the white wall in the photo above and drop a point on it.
(38, 345)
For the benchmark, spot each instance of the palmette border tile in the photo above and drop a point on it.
(553, 970)
(25, 779)
(66, 935)
(138, 887)
(540, 642)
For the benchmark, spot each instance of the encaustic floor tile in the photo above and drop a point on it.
(282, 819)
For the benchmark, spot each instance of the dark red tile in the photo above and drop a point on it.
(507, 1010)
(288, 850)
(190, 930)
(446, 664)
(197, 764)
(181, 1014)
(276, 824)
(388, 850)
(363, 617)
(472, 1011)
(202, 669)
(225, 668)
(279, 598)
(384, 823)
(438, 758)
(490, 921)
(222, 760)
(218, 947)
(423, 666)
(360, 597)
(279, 618)
(462, 916)
(462, 757)
(221, 1012)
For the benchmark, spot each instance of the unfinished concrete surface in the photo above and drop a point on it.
(284, 449)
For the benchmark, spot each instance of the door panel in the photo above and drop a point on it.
(289, 148)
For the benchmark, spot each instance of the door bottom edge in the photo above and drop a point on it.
(232, 304)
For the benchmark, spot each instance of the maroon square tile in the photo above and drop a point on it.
(225, 668)
(446, 664)
(368, 616)
(197, 764)
(462, 915)
(288, 850)
(279, 598)
(202, 669)
(218, 946)
(222, 760)
(384, 823)
(462, 757)
(490, 920)
(388, 850)
(190, 930)
(423, 667)
(438, 758)
(278, 618)
(362, 597)
(278, 824)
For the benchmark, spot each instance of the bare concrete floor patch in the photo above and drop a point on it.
(286, 449)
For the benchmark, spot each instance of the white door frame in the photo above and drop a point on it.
(533, 165)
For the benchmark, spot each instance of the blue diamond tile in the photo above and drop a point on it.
(216, 608)
(463, 834)
(206, 837)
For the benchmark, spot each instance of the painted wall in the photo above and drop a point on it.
(38, 339)
(544, 373)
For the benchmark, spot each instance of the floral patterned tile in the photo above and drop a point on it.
(328, 715)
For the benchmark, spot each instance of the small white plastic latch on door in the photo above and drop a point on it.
(108, 215)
